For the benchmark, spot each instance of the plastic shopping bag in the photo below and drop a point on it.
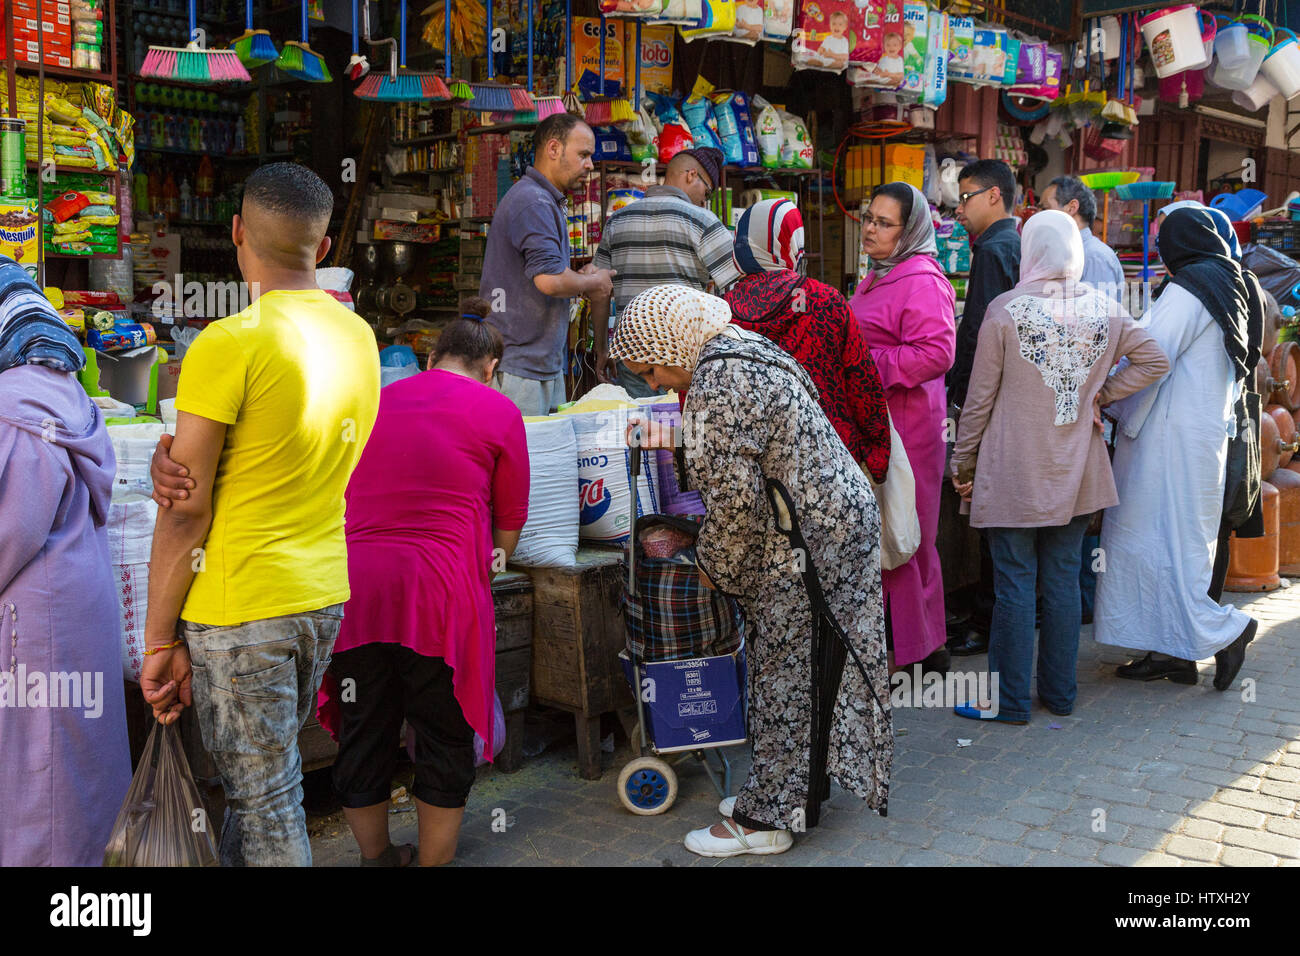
(162, 821)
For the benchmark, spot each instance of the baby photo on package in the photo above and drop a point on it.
(778, 20)
(828, 31)
(749, 22)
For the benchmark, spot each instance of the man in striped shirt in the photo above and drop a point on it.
(668, 236)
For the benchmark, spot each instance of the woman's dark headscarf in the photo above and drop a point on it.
(1200, 261)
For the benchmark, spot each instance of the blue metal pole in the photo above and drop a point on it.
(637, 103)
(530, 46)
(568, 45)
(446, 40)
(602, 54)
(488, 5)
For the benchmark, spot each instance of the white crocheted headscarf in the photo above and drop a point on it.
(668, 325)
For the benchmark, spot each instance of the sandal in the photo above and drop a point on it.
(392, 856)
(704, 843)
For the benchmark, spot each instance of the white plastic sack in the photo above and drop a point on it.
(134, 446)
(605, 477)
(768, 130)
(550, 536)
(130, 538)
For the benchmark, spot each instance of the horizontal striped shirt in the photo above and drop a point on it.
(666, 238)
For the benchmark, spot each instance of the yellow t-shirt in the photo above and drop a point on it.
(295, 376)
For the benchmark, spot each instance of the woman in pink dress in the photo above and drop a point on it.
(435, 505)
(905, 309)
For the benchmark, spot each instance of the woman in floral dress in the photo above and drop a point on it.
(793, 533)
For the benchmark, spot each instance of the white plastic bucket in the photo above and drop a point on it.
(1232, 45)
(1173, 36)
(1282, 65)
(1209, 29)
(1255, 96)
(1243, 74)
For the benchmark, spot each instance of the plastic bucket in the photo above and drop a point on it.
(1282, 65)
(1174, 37)
(1171, 87)
(1209, 28)
(1255, 96)
(1241, 76)
(1232, 44)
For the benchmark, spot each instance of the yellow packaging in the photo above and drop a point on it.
(586, 47)
(905, 163)
(18, 222)
(657, 59)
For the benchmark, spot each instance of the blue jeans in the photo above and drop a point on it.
(1024, 559)
(254, 687)
(1087, 576)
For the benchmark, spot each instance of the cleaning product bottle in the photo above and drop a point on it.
(186, 200)
(171, 195)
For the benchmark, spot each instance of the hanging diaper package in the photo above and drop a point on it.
(768, 131)
(631, 8)
(1011, 64)
(916, 33)
(685, 12)
(988, 60)
(936, 62)
(749, 23)
(718, 19)
(961, 42)
(778, 20)
(827, 33)
(736, 128)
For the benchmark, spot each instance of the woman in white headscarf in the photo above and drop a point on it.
(904, 309)
(1030, 455)
(792, 533)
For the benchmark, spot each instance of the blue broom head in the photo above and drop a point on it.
(264, 47)
(1155, 190)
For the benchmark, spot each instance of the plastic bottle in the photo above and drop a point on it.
(186, 200)
(171, 195)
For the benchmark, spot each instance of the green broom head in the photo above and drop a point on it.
(303, 63)
(255, 48)
(460, 90)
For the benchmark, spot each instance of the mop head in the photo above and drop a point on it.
(303, 63)
(193, 64)
(255, 48)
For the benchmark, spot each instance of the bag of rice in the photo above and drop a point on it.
(550, 536)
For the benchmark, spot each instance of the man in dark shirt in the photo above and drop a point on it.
(987, 195)
(526, 274)
(987, 191)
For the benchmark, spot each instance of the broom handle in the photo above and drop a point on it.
(637, 94)
(356, 44)
(530, 46)
(488, 5)
(568, 45)
(446, 39)
(401, 36)
(248, 18)
(602, 55)
(304, 20)
(194, 19)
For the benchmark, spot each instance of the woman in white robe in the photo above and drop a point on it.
(1170, 457)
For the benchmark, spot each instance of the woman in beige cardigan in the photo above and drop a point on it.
(1030, 455)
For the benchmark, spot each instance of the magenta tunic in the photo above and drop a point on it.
(446, 463)
(907, 320)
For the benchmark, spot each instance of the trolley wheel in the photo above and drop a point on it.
(647, 786)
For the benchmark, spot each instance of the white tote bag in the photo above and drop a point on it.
(900, 525)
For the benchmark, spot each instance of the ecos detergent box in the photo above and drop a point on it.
(657, 59)
(916, 32)
(586, 47)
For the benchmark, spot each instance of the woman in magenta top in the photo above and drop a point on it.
(436, 503)
(905, 309)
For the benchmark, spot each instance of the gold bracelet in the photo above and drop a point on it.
(166, 647)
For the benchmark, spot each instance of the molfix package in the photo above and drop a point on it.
(736, 128)
(828, 32)
(749, 23)
(768, 131)
(936, 62)
(778, 20)
(961, 42)
(916, 32)
(717, 20)
(796, 148)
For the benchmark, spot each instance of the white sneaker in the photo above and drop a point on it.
(705, 843)
(726, 806)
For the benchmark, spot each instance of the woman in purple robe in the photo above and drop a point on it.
(64, 758)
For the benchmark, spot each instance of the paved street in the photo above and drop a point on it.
(1141, 774)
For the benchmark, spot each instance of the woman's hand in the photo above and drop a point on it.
(653, 434)
(963, 488)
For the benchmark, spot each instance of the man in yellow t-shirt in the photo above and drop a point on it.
(248, 573)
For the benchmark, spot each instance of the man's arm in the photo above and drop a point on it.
(179, 534)
(567, 284)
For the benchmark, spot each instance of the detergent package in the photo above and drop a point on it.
(935, 90)
(586, 48)
(778, 20)
(736, 128)
(718, 19)
(749, 22)
(698, 112)
(656, 58)
(961, 42)
(916, 32)
(611, 144)
(827, 34)
(674, 134)
(796, 148)
(768, 131)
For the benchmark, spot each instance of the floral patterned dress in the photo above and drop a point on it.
(749, 422)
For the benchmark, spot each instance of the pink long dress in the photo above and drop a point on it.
(446, 462)
(907, 320)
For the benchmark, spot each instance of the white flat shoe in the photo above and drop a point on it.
(705, 843)
(726, 805)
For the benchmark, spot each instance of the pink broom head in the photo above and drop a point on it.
(549, 106)
(522, 100)
(433, 87)
(224, 67)
(368, 88)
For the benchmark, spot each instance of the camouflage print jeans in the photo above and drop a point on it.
(254, 688)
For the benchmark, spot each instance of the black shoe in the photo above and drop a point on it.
(937, 662)
(1148, 668)
(1229, 660)
(974, 644)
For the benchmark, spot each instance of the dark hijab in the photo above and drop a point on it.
(1200, 261)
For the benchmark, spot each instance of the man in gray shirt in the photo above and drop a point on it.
(1101, 268)
(526, 276)
(666, 237)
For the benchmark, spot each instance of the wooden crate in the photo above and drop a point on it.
(512, 599)
(577, 635)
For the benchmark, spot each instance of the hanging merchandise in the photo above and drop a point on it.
(935, 90)
(674, 134)
(916, 37)
(255, 47)
(877, 60)
(749, 23)
(1259, 41)
(796, 147)
(1231, 43)
(642, 137)
(717, 20)
(698, 113)
(1173, 36)
(587, 52)
(468, 22)
(1282, 65)
(493, 97)
(192, 63)
(769, 131)
(988, 57)
(400, 85)
(358, 66)
(736, 127)
(657, 59)
(682, 12)
(631, 8)
(778, 20)
(829, 32)
(299, 60)
(961, 42)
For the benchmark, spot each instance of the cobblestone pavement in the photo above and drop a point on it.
(1141, 774)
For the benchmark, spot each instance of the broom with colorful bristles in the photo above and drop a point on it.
(400, 85)
(300, 61)
(254, 47)
(194, 63)
(358, 65)
(491, 97)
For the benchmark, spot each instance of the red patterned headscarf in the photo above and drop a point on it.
(769, 237)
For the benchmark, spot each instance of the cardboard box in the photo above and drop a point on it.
(406, 231)
(169, 376)
(656, 58)
(131, 376)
